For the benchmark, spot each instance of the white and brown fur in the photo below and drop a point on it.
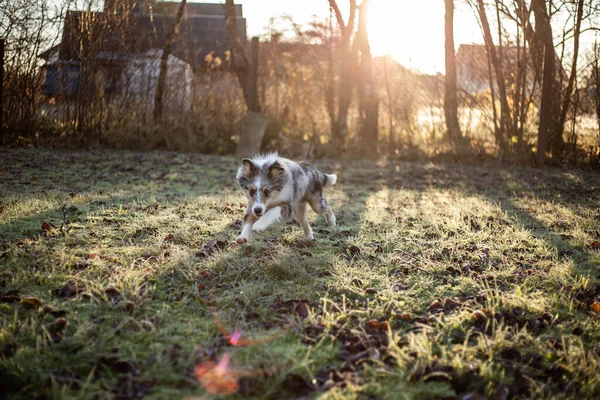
(278, 190)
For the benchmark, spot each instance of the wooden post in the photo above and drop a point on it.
(1, 88)
(252, 81)
(255, 124)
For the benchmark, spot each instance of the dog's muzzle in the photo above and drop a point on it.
(258, 211)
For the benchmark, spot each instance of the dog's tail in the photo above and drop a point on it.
(330, 180)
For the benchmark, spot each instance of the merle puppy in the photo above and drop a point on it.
(278, 190)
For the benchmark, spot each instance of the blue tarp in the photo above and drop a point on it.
(61, 80)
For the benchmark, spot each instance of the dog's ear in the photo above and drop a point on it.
(249, 167)
(276, 169)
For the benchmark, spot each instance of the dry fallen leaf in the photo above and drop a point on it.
(373, 323)
(46, 227)
(595, 244)
(595, 307)
(60, 324)
(404, 317)
(32, 302)
(384, 326)
(112, 292)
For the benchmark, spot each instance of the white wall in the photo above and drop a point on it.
(140, 79)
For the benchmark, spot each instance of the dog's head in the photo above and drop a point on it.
(261, 179)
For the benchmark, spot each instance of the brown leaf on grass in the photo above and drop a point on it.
(119, 366)
(480, 315)
(46, 226)
(384, 326)
(404, 316)
(169, 238)
(31, 302)
(595, 307)
(301, 310)
(34, 178)
(128, 306)
(55, 313)
(70, 290)
(452, 305)
(112, 292)
(237, 224)
(201, 286)
(436, 306)
(353, 251)
(297, 384)
(9, 299)
(595, 244)
(210, 247)
(60, 324)
(10, 296)
(373, 324)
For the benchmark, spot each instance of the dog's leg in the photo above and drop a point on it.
(330, 217)
(246, 234)
(300, 214)
(276, 214)
(320, 206)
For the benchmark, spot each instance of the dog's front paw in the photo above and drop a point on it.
(242, 240)
(331, 221)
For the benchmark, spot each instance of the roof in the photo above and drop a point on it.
(49, 52)
(170, 8)
(85, 34)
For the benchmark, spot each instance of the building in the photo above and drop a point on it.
(473, 67)
(118, 51)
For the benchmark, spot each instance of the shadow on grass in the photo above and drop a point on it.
(505, 187)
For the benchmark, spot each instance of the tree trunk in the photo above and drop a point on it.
(543, 33)
(2, 137)
(571, 85)
(450, 95)
(348, 64)
(505, 117)
(164, 65)
(368, 101)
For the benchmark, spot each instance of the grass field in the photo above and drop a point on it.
(118, 280)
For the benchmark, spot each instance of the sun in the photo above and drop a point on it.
(412, 31)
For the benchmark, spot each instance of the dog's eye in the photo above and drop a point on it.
(252, 192)
(266, 192)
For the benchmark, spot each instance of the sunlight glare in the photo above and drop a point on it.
(412, 32)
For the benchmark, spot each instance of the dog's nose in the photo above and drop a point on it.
(258, 211)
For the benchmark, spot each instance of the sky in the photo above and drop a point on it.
(411, 31)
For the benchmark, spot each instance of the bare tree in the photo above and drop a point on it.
(450, 94)
(573, 75)
(496, 62)
(367, 91)
(548, 106)
(164, 65)
(348, 66)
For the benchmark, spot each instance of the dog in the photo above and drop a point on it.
(278, 190)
